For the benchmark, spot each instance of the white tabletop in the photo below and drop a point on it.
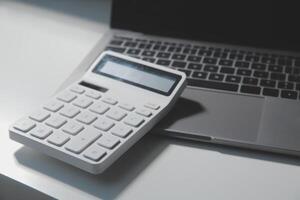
(41, 43)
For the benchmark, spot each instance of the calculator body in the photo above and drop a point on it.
(95, 120)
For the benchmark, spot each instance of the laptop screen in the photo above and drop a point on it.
(268, 24)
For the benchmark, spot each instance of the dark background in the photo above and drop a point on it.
(255, 23)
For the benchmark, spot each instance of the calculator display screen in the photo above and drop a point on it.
(137, 74)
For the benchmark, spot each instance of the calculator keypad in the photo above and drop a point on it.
(85, 122)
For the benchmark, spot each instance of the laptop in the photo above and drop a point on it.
(242, 61)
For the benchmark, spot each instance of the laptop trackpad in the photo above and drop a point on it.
(220, 115)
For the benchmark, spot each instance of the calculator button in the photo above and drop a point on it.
(93, 94)
(86, 117)
(144, 112)
(99, 108)
(83, 102)
(53, 105)
(108, 141)
(83, 140)
(24, 125)
(121, 130)
(69, 111)
(72, 128)
(103, 124)
(126, 106)
(41, 131)
(116, 114)
(153, 106)
(94, 153)
(66, 96)
(110, 100)
(133, 120)
(78, 89)
(39, 115)
(56, 121)
(58, 138)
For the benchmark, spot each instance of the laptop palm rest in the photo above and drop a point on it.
(219, 115)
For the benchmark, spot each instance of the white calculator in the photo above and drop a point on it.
(91, 123)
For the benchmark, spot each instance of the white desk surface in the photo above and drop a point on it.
(41, 43)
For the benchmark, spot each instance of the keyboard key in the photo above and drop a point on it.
(67, 96)
(69, 111)
(260, 74)
(275, 68)
(133, 120)
(104, 124)
(259, 66)
(278, 76)
(77, 89)
(99, 108)
(250, 89)
(72, 128)
(270, 92)
(121, 130)
(152, 60)
(250, 81)
(56, 121)
(298, 87)
(94, 153)
(163, 55)
(209, 60)
(268, 60)
(82, 102)
(163, 62)
(213, 85)
(39, 115)
(178, 56)
(133, 51)
(93, 94)
(285, 85)
(116, 114)
(204, 52)
(144, 112)
(110, 100)
(130, 44)
(152, 106)
(244, 72)
(148, 53)
(83, 140)
(86, 117)
(53, 105)
(187, 72)
(288, 70)
(195, 66)
(108, 141)
(288, 94)
(58, 138)
(41, 131)
(216, 77)
(241, 64)
(294, 78)
(226, 62)
(235, 56)
(252, 58)
(24, 125)
(194, 58)
(201, 75)
(179, 64)
(126, 106)
(227, 70)
(211, 68)
(267, 83)
(233, 79)
(116, 42)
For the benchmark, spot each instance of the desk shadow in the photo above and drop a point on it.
(92, 10)
(237, 151)
(107, 185)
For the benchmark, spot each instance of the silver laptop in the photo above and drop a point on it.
(240, 58)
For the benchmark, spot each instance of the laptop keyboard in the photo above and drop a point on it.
(233, 70)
